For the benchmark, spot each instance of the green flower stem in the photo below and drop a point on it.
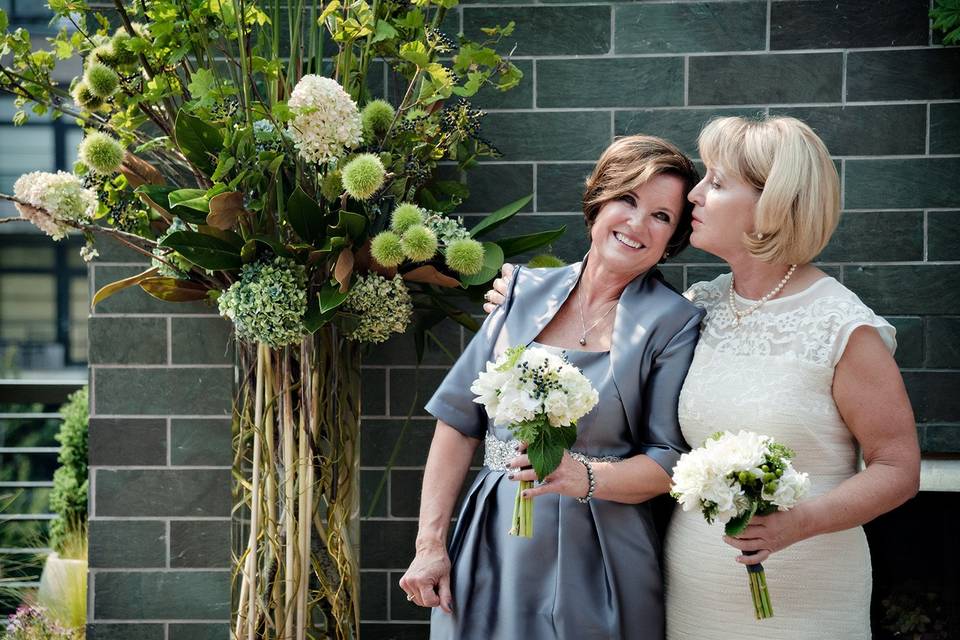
(522, 519)
(759, 594)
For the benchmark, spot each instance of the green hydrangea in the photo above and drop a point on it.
(382, 307)
(267, 304)
(447, 230)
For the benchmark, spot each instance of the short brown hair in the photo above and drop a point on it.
(630, 162)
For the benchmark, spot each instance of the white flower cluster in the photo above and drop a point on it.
(525, 383)
(326, 120)
(446, 229)
(268, 302)
(54, 198)
(730, 472)
(382, 307)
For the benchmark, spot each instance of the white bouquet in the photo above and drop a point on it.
(540, 397)
(730, 479)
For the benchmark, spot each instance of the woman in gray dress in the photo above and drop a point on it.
(592, 569)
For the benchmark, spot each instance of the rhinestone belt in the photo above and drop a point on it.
(497, 452)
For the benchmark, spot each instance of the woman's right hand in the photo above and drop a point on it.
(427, 580)
(495, 297)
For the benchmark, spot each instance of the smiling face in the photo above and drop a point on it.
(724, 211)
(630, 233)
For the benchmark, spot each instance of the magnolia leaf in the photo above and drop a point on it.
(349, 224)
(344, 269)
(492, 261)
(108, 290)
(173, 289)
(305, 216)
(200, 142)
(225, 209)
(499, 216)
(429, 275)
(195, 199)
(204, 250)
(139, 172)
(157, 198)
(331, 297)
(737, 524)
(528, 242)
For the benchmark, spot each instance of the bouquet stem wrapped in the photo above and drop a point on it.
(730, 479)
(539, 397)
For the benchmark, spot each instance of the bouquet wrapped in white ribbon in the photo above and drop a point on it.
(539, 396)
(730, 479)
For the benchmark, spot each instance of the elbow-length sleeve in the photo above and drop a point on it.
(453, 401)
(664, 442)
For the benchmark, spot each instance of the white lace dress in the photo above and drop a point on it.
(773, 375)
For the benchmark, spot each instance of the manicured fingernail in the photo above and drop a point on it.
(525, 494)
(512, 476)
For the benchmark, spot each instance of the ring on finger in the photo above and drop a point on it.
(410, 597)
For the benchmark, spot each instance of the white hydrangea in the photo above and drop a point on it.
(445, 228)
(523, 384)
(382, 307)
(326, 120)
(792, 486)
(54, 199)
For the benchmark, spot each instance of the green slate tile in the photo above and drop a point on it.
(151, 595)
(690, 27)
(765, 78)
(913, 74)
(902, 184)
(907, 289)
(545, 30)
(550, 135)
(679, 126)
(632, 82)
(883, 130)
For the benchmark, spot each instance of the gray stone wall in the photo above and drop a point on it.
(866, 74)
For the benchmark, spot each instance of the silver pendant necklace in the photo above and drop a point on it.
(583, 325)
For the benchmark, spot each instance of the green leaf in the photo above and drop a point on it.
(492, 261)
(331, 298)
(203, 86)
(415, 52)
(499, 216)
(108, 290)
(275, 245)
(195, 199)
(384, 31)
(544, 451)
(349, 224)
(4, 21)
(736, 525)
(200, 142)
(305, 216)
(174, 290)
(521, 244)
(314, 318)
(204, 250)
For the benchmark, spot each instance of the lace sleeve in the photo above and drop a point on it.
(860, 315)
(705, 294)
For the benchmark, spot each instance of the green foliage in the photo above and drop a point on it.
(69, 496)
(946, 19)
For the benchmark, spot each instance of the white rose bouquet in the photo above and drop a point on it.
(730, 479)
(540, 397)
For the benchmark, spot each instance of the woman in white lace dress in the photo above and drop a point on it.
(787, 351)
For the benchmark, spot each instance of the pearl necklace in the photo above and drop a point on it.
(583, 325)
(740, 315)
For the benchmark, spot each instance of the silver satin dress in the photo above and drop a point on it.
(591, 571)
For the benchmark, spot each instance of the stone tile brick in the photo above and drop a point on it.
(908, 289)
(127, 543)
(942, 342)
(374, 586)
(380, 437)
(201, 442)
(827, 24)
(192, 391)
(202, 341)
(765, 78)
(560, 186)
(373, 390)
(876, 236)
(541, 31)
(134, 299)
(415, 387)
(400, 609)
(405, 491)
(199, 631)
(690, 27)
(909, 340)
(127, 340)
(159, 493)
(387, 544)
(200, 544)
(124, 631)
(493, 186)
(394, 631)
(127, 441)
(915, 74)
(374, 493)
(902, 184)
(643, 82)
(945, 127)
(402, 349)
(679, 126)
(550, 135)
(520, 97)
(673, 275)
(862, 131)
(934, 395)
(153, 595)
(939, 438)
(943, 235)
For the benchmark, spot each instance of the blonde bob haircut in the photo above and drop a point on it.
(632, 161)
(783, 159)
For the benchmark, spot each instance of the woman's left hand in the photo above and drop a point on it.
(569, 479)
(768, 534)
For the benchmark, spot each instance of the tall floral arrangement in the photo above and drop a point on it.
(239, 145)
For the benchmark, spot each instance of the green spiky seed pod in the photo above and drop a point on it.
(102, 80)
(363, 175)
(84, 97)
(386, 249)
(545, 260)
(465, 256)
(120, 49)
(101, 153)
(332, 186)
(419, 243)
(376, 118)
(405, 216)
(104, 54)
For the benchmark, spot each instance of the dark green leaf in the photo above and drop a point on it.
(499, 216)
(200, 142)
(349, 224)
(204, 250)
(493, 257)
(331, 298)
(174, 290)
(191, 198)
(529, 242)
(315, 318)
(544, 452)
(305, 216)
(736, 525)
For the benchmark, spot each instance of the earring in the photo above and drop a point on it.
(759, 236)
